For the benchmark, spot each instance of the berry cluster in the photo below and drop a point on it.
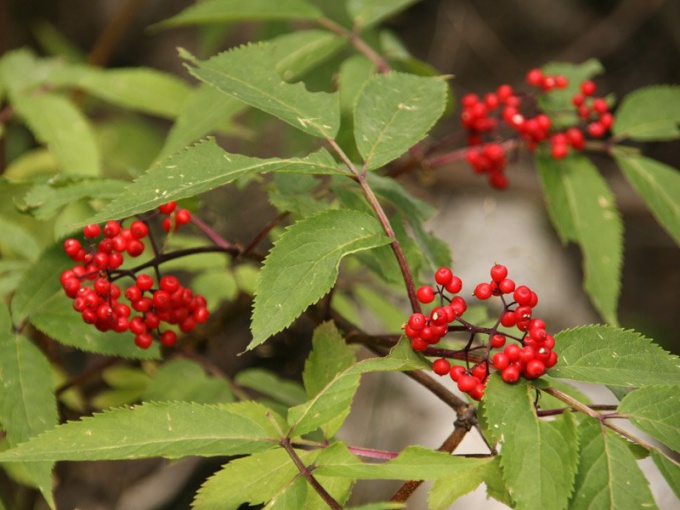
(530, 356)
(173, 217)
(484, 117)
(90, 283)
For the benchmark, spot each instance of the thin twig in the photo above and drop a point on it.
(353, 38)
(103, 48)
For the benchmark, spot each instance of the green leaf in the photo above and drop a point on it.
(583, 210)
(393, 112)
(335, 398)
(669, 470)
(655, 410)
(185, 380)
(142, 89)
(607, 355)
(254, 480)
(169, 430)
(381, 307)
(27, 403)
(57, 123)
(538, 458)
(198, 169)
(40, 282)
(56, 318)
(229, 11)
(354, 73)
(44, 200)
(366, 13)
(299, 52)
(608, 475)
(657, 184)
(18, 239)
(303, 266)
(413, 463)
(269, 384)
(249, 74)
(205, 110)
(651, 113)
(330, 355)
(446, 490)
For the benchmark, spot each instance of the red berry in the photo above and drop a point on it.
(166, 224)
(504, 92)
(71, 247)
(443, 276)
(522, 295)
(182, 217)
(417, 321)
(534, 369)
(534, 77)
(151, 320)
(92, 231)
(438, 316)
(115, 260)
(202, 314)
(506, 286)
(144, 282)
(510, 374)
(137, 325)
(498, 272)
(135, 248)
(133, 293)
(161, 299)
(483, 291)
(512, 352)
(480, 371)
(497, 341)
(527, 354)
(168, 338)
(454, 285)
(169, 283)
(467, 383)
(561, 81)
(588, 88)
(500, 361)
(477, 392)
(418, 344)
(559, 151)
(143, 341)
(441, 366)
(167, 208)
(425, 294)
(111, 229)
(596, 129)
(458, 305)
(139, 229)
(456, 372)
(508, 319)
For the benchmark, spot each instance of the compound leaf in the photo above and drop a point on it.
(44, 200)
(198, 169)
(254, 480)
(538, 458)
(205, 110)
(413, 463)
(335, 398)
(303, 266)
(56, 318)
(18, 239)
(27, 403)
(395, 111)
(40, 282)
(366, 13)
(57, 123)
(655, 410)
(651, 113)
(608, 475)
(669, 470)
(225, 11)
(657, 184)
(617, 357)
(249, 73)
(446, 490)
(583, 210)
(170, 430)
(142, 89)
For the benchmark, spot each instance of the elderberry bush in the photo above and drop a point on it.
(124, 314)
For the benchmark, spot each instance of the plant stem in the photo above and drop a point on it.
(262, 233)
(372, 453)
(353, 38)
(210, 233)
(304, 470)
(578, 406)
(385, 222)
